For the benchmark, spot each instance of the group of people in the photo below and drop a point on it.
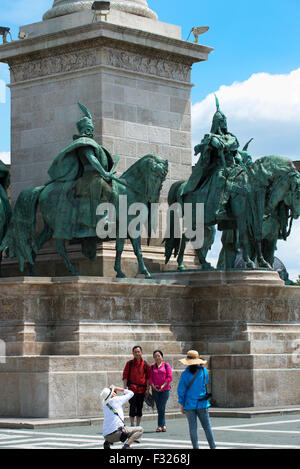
(142, 380)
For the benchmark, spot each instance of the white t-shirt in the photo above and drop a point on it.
(111, 421)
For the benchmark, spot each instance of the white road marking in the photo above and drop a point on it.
(53, 442)
(255, 424)
(15, 438)
(35, 432)
(260, 431)
(5, 437)
(30, 438)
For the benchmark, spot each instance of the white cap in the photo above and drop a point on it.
(106, 393)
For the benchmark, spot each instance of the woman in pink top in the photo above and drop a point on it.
(160, 379)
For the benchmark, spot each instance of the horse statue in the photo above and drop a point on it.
(82, 178)
(277, 224)
(237, 195)
(5, 208)
(279, 190)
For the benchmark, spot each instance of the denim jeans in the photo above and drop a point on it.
(203, 416)
(161, 399)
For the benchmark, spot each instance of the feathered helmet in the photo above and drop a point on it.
(217, 119)
(86, 121)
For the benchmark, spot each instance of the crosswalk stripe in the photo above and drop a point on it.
(260, 424)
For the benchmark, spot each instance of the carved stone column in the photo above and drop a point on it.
(65, 7)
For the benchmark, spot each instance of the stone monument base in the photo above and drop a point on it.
(49, 263)
(63, 339)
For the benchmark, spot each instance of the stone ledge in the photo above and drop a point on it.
(220, 277)
(187, 51)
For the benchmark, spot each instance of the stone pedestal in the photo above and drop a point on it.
(66, 338)
(49, 263)
(66, 7)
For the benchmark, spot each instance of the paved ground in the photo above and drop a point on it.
(277, 432)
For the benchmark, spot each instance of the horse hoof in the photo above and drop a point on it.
(146, 274)
(181, 268)
(207, 266)
(121, 275)
(250, 265)
(264, 264)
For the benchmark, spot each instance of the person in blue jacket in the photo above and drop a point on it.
(192, 397)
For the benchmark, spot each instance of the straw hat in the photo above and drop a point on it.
(193, 358)
(106, 394)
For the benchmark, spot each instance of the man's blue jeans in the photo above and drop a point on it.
(203, 416)
(161, 399)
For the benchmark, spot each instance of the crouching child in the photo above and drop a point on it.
(114, 428)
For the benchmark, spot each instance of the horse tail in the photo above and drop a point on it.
(172, 242)
(19, 240)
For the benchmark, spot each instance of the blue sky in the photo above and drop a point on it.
(254, 68)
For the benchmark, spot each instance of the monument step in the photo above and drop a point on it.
(248, 346)
(89, 347)
(220, 277)
(71, 363)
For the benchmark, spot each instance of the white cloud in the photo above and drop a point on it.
(2, 91)
(267, 108)
(5, 157)
(289, 251)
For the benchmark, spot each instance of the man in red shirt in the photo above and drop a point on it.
(136, 376)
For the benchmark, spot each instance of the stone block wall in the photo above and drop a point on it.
(67, 338)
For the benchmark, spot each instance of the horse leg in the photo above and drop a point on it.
(42, 238)
(202, 259)
(181, 267)
(260, 258)
(238, 208)
(209, 237)
(245, 248)
(119, 250)
(60, 247)
(268, 249)
(136, 244)
(229, 251)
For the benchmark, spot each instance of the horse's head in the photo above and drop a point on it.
(156, 170)
(146, 176)
(292, 196)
